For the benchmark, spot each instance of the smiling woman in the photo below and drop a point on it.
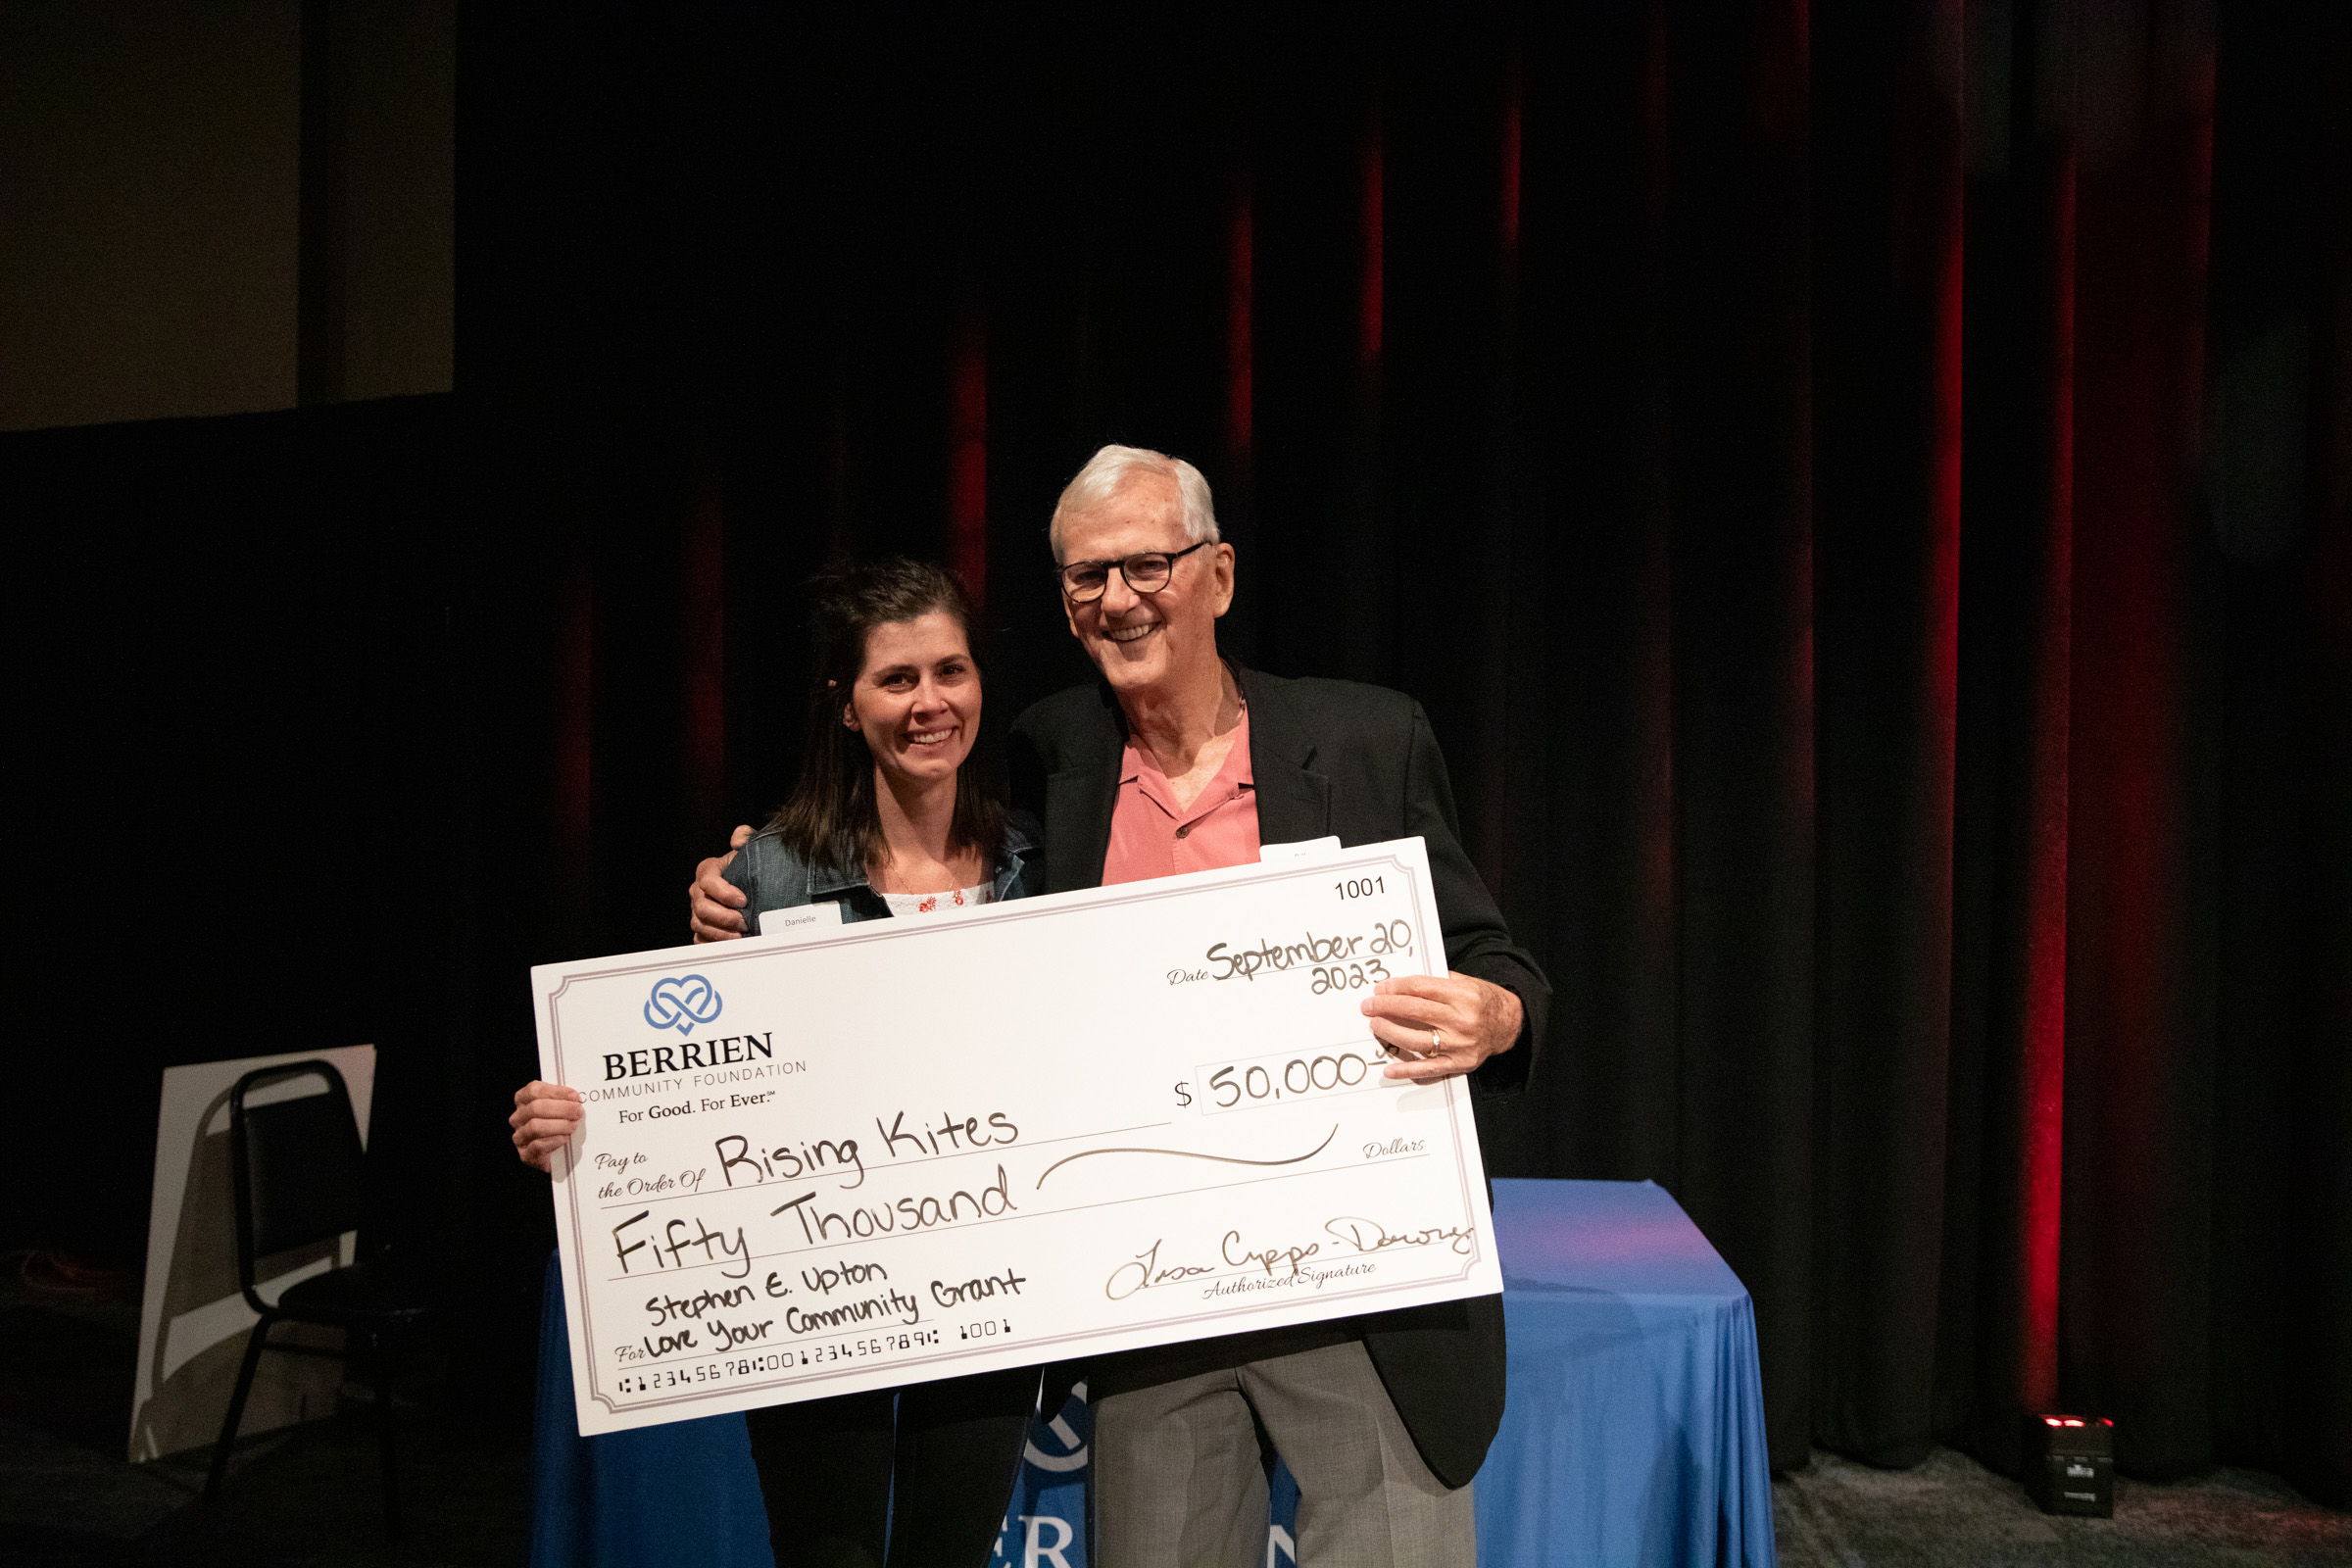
(891, 817)
(891, 719)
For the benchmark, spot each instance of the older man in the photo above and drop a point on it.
(1181, 761)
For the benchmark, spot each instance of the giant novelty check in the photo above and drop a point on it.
(900, 1150)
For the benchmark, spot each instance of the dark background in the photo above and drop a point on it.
(1860, 489)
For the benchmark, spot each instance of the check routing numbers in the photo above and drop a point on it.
(901, 1150)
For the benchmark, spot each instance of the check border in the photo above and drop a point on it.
(1025, 910)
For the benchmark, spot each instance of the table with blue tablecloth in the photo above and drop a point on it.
(1634, 1432)
(1635, 1427)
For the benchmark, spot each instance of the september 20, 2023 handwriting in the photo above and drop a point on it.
(882, 1152)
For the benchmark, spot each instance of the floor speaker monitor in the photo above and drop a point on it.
(2070, 1464)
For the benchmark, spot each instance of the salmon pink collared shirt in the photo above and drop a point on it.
(1150, 837)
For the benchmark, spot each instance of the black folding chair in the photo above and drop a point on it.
(300, 1178)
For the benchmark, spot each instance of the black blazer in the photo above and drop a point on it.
(1330, 757)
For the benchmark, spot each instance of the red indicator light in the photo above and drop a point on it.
(2103, 1421)
(2073, 1421)
(2053, 1420)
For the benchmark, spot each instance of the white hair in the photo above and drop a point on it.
(1107, 473)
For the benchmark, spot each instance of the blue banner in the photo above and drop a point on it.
(1046, 1525)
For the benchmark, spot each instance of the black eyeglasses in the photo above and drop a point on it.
(1146, 573)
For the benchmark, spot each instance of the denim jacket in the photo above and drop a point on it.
(773, 877)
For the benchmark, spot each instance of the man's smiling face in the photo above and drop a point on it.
(1147, 643)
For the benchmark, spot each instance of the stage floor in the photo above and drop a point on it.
(307, 1497)
(1951, 1512)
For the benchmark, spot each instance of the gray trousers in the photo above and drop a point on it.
(1178, 1481)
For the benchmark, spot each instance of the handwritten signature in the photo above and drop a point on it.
(1144, 1271)
(1370, 1236)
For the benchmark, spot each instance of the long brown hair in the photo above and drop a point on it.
(831, 819)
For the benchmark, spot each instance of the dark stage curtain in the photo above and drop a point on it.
(1860, 488)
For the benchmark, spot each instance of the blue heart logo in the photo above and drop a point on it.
(681, 1002)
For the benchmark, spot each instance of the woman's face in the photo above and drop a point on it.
(918, 700)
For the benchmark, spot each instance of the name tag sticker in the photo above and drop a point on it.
(1303, 850)
(806, 921)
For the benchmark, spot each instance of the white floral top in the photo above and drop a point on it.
(904, 905)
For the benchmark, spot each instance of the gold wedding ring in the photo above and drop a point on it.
(1437, 1043)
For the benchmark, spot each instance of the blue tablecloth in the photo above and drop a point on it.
(685, 1493)
(1633, 1434)
(1635, 1427)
